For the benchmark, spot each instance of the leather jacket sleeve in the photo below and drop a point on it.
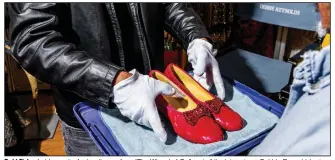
(183, 23)
(41, 48)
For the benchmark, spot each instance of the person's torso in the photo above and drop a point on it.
(130, 36)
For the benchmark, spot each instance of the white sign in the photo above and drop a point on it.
(279, 9)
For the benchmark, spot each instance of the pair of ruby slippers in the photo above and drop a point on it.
(199, 116)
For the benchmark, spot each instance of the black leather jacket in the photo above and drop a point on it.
(69, 45)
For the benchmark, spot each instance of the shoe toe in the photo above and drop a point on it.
(207, 131)
(229, 119)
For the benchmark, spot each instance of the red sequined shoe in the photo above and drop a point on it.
(223, 114)
(190, 121)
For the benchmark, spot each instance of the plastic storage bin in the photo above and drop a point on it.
(88, 116)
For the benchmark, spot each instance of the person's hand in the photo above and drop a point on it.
(206, 68)
(135, 97)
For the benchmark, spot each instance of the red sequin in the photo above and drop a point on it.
(193, 116)
(214, 105)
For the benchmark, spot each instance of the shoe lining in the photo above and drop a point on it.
(194, 88)
(180, 104)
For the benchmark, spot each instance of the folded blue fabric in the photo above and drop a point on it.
(137, 140)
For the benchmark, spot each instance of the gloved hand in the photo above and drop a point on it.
(206, 68)
(135, 98)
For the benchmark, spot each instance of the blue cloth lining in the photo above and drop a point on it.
(138, 140)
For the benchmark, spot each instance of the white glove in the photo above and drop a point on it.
(135, 98)
(206, 68)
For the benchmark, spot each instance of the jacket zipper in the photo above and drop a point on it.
(117, 31)
(144, 48)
